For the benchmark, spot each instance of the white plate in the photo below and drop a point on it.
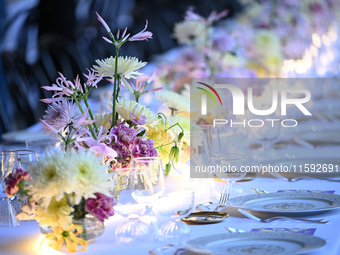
(298, 202)
(320, 136)
(264, 243)
(23, 135)
(322, 167)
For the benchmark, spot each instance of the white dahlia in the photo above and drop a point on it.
(125, 107)
(127, 67)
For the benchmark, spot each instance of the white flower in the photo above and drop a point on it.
(191, 31)
(126, 106)
(52, 176)
(78, 174)
(173, 100)
(90, 176)
(126, 67)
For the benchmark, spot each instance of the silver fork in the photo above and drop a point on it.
(253, 217)
(258, 191)
(222, 201)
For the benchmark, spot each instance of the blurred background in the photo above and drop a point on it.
(39, 38)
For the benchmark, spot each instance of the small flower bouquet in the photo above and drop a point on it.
(68, 186)
(118, 136)
(65, 188)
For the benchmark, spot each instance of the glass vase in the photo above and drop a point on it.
(92, 227)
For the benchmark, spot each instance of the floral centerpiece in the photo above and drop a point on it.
(64, 189)
(67, 186)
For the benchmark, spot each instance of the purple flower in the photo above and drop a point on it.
(101, 207)
(122, 151)
(123, 134)
(142, 148)
(13, 179)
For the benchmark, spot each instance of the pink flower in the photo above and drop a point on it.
(100, 207)
(142, 35)
(107, 28)
(13, 179)
(67, 88)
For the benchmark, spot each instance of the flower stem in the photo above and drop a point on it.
(114, 96)
(82, 111)
(91, 115)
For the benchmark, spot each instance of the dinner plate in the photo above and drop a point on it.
(297, 202)
(264, 243)
(312, 167)
(321, 136)
(24, 135)
(205, 217)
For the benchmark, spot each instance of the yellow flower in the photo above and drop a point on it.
(161, 136)
(57, 213)
(69, 235)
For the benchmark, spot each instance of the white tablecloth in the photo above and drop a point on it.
(24, 239)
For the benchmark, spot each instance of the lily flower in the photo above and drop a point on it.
(142, 35)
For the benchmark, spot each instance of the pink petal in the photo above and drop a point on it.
(103, 23)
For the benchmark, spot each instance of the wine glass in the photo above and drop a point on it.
(213, 137)
(9, 161)
(132, 192)
(26, 158)
(230, 168)
(153, 166)
(174, 205)
(200, 157)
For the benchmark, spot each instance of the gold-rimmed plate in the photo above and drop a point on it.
(205, 217)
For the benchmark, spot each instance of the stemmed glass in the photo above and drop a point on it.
(26, 158)
(230, 168)
(200, 157)
(213, 137)
(132, 192)
(174, 205)
(154, 167)
(9, 161)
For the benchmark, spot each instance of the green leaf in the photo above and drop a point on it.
(180, 136)
(167, 169)
(141, 133)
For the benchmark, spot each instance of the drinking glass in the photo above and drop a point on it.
(154, 167)
(9, 161)
(132, 192)
(230, 168)
(174, 205)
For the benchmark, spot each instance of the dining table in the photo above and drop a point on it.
(311, 141)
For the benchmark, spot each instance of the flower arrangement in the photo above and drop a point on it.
(64, 187)
(116, 136)
(69, 185)
(206, 51)
(293, 22)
